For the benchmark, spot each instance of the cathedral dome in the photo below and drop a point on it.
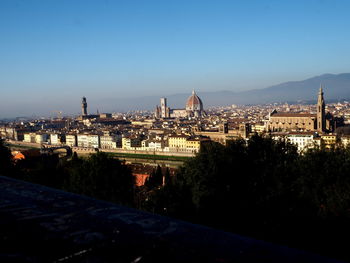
(194, 103)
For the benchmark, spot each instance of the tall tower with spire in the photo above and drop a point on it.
(321, 115)
(163, 107)
(83, 106)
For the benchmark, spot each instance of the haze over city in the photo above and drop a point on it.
(53, 53)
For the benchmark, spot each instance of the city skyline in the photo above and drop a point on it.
(281, 167)
(53, 53)
(291, 92)
(187, 130)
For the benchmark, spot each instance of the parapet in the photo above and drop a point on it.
(40, 224)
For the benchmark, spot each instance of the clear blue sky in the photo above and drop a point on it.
(54, 52)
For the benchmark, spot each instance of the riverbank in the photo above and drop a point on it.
(20, 145)
(120, 153)
(149, 156)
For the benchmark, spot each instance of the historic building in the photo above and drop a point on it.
(286, 121)
(184, 143)
(321, 115)
(303, 140)
(194, 108)
(85, 116)
(83, 107)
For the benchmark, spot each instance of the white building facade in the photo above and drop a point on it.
(303, 141)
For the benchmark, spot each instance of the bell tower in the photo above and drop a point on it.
(83, 106)
(321, 115)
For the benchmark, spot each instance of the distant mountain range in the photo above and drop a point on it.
(336, 87)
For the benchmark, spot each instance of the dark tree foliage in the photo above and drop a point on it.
(167, 176)
(147, 195)
(239, 179)
(101, 177)
(6, 164)
(264, 189)
(155, 179)
(44, 170)
(344, 130)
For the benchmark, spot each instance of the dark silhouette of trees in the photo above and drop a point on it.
(261, 187)
(6, 164)
(265, 189)
(99, 176)
(167, 176)
(155, 179)
(102, 177)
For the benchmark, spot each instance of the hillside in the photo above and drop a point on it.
(336, 87)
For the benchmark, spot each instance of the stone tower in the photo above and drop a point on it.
(163, 107)
(321, 115)
(83, 106)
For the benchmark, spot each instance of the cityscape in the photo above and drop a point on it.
(181, 132)
(187, 131)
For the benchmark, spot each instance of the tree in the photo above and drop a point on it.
(155, 179)
(101, 176)
(167, 177)
(6, 165)
(265, 189)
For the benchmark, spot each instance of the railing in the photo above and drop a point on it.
(40, 224)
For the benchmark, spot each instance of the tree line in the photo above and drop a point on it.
(261, 188)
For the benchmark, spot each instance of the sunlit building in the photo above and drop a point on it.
(193, 108)
(289, 121)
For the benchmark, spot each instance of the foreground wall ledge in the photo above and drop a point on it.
(40, 224)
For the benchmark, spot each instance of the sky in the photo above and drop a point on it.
(53, 52)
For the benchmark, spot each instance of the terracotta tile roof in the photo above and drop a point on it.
(286, 114)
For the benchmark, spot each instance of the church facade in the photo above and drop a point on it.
(194, 109)
(285, 121)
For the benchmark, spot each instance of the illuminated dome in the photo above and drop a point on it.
(194, 103)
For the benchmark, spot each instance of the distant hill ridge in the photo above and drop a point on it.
(337, 87)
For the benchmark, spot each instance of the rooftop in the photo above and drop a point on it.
(292, 114)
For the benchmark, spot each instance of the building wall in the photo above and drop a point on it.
(156, 145)
(177, 142)
(54, 139)
(258, 128)
(108, 142)
(280, 123)
(130, 143)
(302, 141)
(345, 140)
(193, 145)
(71, 140)
(82, 140)
(178, 113)
(93, 141)
(8, 132)
(328, 140)
(41, 138)
(29, 137)
(215, 136)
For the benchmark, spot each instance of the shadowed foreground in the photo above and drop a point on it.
(40, 224)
